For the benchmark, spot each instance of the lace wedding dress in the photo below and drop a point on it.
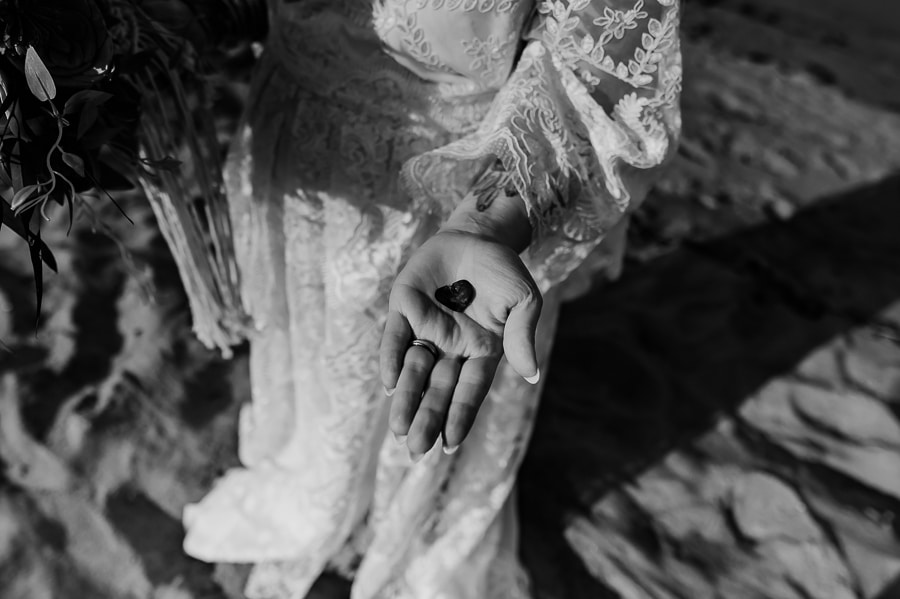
(368, 121)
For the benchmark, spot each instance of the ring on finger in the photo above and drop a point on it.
(428, 346)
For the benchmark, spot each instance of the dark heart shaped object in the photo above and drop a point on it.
(457, 296)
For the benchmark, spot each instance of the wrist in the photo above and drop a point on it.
(503, 220)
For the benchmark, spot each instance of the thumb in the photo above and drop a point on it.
(518, 337)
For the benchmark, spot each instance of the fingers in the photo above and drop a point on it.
(475, 378)
(518, 337)
(413, 380)
(432, 413)
(394, 343)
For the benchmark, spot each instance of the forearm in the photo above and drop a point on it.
(504, 220)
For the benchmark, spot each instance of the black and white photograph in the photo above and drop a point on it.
(450, 299)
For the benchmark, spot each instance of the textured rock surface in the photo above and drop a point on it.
(742, 441)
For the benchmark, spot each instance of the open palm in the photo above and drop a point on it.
(435, 395)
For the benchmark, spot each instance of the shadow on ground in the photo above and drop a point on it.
(651, 362)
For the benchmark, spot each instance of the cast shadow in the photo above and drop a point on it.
(650, 362)
(892, 591)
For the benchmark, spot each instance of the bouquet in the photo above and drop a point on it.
(100, 95)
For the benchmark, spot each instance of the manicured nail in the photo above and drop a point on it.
(400, 439)
(446, 447)
(533, 380)
(389, 392)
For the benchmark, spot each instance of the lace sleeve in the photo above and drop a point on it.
(581, 127)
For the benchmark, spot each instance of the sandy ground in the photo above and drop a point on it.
(743, 440)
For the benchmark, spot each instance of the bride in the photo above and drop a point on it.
(414, 186)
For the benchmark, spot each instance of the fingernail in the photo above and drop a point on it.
(446, 447)
(389, 392)
(400, 439)
(533, 379)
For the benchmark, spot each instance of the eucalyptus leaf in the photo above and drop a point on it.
(74, 162)
(12, 221)
(40, 82)
(18, 225)
(7, 98)
(70, 203)
(22, 196)
(35, 249)
(15, 169)
(87, 118)
(84, 98)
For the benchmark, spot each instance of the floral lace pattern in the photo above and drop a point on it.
(488, 56)
(368, 121)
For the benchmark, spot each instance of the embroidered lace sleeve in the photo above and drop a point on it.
(579, 130)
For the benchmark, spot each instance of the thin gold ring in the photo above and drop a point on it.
(427, 345)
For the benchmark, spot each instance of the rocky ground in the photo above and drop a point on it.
(743, 440)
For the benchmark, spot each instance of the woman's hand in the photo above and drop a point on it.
(442, 395)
